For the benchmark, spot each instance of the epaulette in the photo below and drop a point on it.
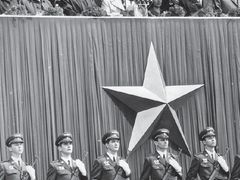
(6, 161)
(56, 163)
(152, 156)
(101, 158)
(200, 156)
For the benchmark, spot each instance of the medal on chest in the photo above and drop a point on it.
(106, 163)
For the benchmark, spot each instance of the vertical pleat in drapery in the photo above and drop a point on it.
(52, 71)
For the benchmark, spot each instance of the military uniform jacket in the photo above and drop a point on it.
(203, 165)
(235, 174)
(10, 170)
(59, 170)
(105, 169)
(156, 167)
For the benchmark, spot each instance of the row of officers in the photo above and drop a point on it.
(161, 165)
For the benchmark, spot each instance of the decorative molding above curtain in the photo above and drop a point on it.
(52, 71)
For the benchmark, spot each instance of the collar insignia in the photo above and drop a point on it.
(156, 162)
(106, 163)
(205, 160)
(61, 168)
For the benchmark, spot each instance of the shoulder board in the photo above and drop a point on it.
(7, 161)
(152, 156)
(101, 158)
(55, 163)
(200, 156)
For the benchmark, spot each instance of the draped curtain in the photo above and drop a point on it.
(52, 71)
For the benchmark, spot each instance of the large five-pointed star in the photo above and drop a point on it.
(153, 103)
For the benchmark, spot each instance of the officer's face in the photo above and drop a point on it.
(16, 148)
(157, 2)
(113, 145)
(161, 143)
(210, 141)
(66, 148)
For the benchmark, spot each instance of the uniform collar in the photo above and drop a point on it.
(208, 156)
(66, 160)
(16, 165)
(160, 158)
(109, 160)
(111, 156)
(211, 153)
(162, 154)
(17, 160)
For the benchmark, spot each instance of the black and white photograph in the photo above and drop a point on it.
(119, 90)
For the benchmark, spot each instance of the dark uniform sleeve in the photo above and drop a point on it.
(122, 173)
(96, 170)
(51, 174)
(235, 175)
(82, 177)
(2, 173)
(175, 173)
(146, 170)
(222, 173)
(193, 170)
(27, 176)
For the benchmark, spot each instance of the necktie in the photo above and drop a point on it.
(114, 159)
(69, 163)
(212, 156)
(164, 156)
(19, 163)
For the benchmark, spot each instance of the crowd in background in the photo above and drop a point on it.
(153, 8)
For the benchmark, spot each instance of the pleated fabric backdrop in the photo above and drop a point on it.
(52, 71)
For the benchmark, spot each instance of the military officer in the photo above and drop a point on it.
(110, 165)
(208, 161)
(15, 168)
(161, 164)
(66, 168)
